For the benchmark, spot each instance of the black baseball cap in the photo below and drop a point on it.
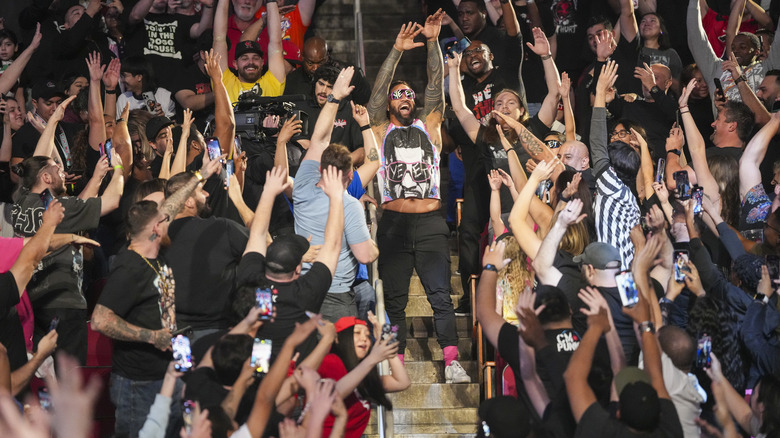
(286, 253)
(639, 404)
(248, 47)
(155, 125)
(46, 89)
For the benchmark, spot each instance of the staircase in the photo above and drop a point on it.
(430, 408)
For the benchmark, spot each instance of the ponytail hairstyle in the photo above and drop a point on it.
(371, 387)
(29, 169)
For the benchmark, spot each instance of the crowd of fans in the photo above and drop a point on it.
(189, 179)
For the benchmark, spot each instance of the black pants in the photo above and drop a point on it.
(475, 213)
(410, 241)
(71, 331)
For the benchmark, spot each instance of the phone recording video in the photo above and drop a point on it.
(230, 168)
(182, 354)
(703, 350)
(46, 198)
(265, 301)
(629, 294)
(697, 194)
(261, 356)
(212, 146)
(683, 185)
(237, 143)
(187, 415)
(107, 149)
(773, 265)
(680, 265)
(660, 171)
(459, 47)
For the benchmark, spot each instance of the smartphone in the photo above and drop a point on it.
(697, 194)
(187, 413)
(186, 331)
(719, 89)
(387, 333)
(680, 265)
(107, 149)
(703, 349)
(44, 399)
(265, 301)
(149, 102)
(459, 47)
(229, 169)
(660, 171)
(46, 197)
(261, 356)
(237, 144)
(182, 354)
(683, 186)
(629, 294)
(212, 146)
(542, 189)
(54, 323)
(773, 265)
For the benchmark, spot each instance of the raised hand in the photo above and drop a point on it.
(693, 282)
(95, 69)
(571, 214)
(676, 139)
(59, 113)
(276, 180)
(360, 114)
(53, 214)
(512, 123)
(290, 128)
(732, 66)
(494, 178)
(600, 321)
(605, 45)
(573, 186)
(453, 62)
(540, 46)
(494, 255)
(73, 401)
(405, 39)
(565, 86)
(506, 179)
(111, 75)
(646, 75)
(341, 88)
(655, 218)
(36, 41)
(383, 351)
(528, 318)
(542, 171)
(661, 191)
(212, 65)
(686, 93)
(101, 168)
(607, 78)
(433, 26)
(332, 183)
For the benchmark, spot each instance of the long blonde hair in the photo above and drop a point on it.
(517, 273)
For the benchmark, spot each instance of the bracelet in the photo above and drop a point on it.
(490, 267)
(114, 91)
(683, 106)
(685, 112)
(198, 175)
(674, 151)
(511, 150)
(564, 198)
(546, 57)
(120, 120)
(270, 1)
(647, 327)
(119, 167)
(365, 128)
(739, 79)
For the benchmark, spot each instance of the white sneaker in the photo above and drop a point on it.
(454, 373)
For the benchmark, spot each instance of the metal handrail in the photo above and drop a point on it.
(360, 56)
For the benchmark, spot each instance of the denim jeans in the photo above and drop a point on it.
(134, 398)
(365, 298)
(409, 241)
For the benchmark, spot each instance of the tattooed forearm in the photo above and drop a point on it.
(377, 105)
(434, 92)
(373, 155)
(532, 145)
(108, 323)
(173, 205)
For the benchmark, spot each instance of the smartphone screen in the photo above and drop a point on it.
(659, 173)
(629, 295)
(703, 349)
(149, 102)
(212, 145)
(237, 144)
(460, 46)
(697, 195)
(46, 197)
(683, 186)
(773, 265)
(680, 265)
(261, 356)
(230, 167)
(187, 413)
(54, 323)
(719, 89)
(265, 301)
(44, 399)
(108, 148)
(182, 355)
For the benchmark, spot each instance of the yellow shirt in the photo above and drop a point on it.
(268, 83)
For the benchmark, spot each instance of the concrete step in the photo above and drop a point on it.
(441, 395)
(452, 416)
(426, 349)
(419, 306)
(422, 327)
(418, 429)
(416, 287)
(426, 435)
(433, 371)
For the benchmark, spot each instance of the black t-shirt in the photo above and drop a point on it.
(505, 51)
(57, 281)
(346, 130)
(479, 95)
(596, 422)
(533, 68)
(132, 293)
(623, 324)
(495, 157)
(204, 254)
(734, 152)
(11, 333)
(194, 80)
(26, 139)
(656, 117)
(164, 40)
(203, 387)
(291, 300)
(260, 161)
(571, 19)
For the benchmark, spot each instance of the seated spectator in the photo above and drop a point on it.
(142, 90)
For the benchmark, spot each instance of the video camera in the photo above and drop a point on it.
(251, 109)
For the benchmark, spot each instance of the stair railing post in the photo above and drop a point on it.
(360, 58)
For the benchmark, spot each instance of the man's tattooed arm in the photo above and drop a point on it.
(377, 105)
(535, 147)
(173, 205)
(434, 91)
(108, 323)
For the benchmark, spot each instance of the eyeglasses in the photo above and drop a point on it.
(407, 93)
(397, 170)
(553, 144)
(474, 51)
(620, 134)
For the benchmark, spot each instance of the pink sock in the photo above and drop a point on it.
(401, 356)
(450, 354)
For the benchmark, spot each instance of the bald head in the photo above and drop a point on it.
(678, 345)
(575, 154)
(663, 76)
(314, 53)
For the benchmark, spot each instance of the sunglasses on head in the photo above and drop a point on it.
(402, 93)
(553, 144)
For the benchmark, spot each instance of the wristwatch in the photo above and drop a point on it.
(674, 151)
(655, 89)
(761, 297)
(647, 326)
(490, 267)
(332, 99)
